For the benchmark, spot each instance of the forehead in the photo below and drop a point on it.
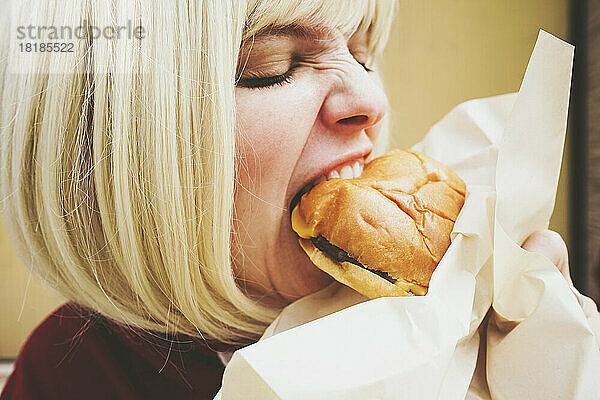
(317, 35)
(364, 23)
(307, 19)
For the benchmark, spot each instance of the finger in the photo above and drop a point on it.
(590, 309)
(551, 245)
(594, 322)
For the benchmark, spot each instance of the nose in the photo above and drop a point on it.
(355, 102)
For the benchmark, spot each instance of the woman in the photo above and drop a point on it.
(149, 180)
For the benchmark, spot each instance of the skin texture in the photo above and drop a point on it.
(286, 133)
(331, 107)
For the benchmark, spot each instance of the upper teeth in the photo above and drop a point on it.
(346, 172)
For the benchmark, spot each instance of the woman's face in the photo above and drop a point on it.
(290, 130)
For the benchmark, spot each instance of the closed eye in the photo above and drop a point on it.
(268, 81)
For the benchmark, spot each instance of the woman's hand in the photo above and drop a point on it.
(551, 245)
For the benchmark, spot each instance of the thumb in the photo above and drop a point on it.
(551, 245)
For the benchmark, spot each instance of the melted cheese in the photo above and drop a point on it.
(304, 230)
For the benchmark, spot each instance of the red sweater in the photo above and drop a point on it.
(77, 354)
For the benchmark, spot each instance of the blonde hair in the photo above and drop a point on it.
(118, 175)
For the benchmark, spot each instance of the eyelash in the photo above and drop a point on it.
(269, 81)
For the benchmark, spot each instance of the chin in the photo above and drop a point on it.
(297, 276)
(304, 279)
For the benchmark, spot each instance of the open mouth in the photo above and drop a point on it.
(350, 170)
(335, 253)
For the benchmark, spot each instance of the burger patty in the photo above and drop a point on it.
(340, 255)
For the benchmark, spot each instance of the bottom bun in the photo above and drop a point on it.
(363, 281)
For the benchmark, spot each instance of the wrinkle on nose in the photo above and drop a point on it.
(353, 104)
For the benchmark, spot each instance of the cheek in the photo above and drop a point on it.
(272, 126)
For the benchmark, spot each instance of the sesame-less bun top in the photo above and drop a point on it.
(395, 218)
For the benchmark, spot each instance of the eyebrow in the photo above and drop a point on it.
(294, 30)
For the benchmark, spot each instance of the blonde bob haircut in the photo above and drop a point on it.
(117, 162)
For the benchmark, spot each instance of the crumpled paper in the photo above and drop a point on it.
(497, 322)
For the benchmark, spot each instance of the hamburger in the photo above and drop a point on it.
(384, 232)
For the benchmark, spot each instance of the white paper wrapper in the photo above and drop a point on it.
(535, 342)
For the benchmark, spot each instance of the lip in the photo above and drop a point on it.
(343, 159)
